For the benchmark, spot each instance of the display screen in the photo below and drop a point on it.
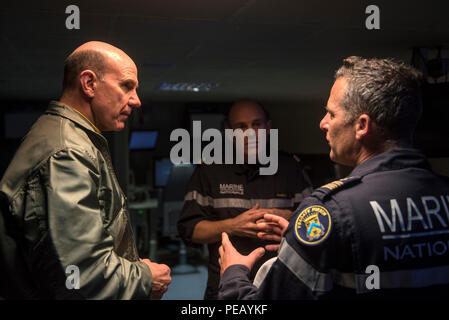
(162, 169)
(141, 140)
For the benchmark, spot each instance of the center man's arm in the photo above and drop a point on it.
(244, 225)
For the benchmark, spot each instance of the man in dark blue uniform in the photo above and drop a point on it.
(381, 232)
(233, 198)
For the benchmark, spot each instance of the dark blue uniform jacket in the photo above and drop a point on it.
(381, 232)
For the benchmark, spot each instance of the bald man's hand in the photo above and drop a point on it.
(161, 278)
(230, 256)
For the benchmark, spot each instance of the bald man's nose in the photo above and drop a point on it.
(135, 101)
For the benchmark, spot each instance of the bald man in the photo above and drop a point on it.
(68, 226)
(233, 198)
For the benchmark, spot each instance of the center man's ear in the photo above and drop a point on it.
(88, 82)
(363, 126)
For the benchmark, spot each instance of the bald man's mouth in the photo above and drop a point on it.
(124, 116)
(126, 112)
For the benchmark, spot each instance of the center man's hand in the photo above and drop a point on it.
(161, 278)
(244, 225)
(284, 213)
(230, 256)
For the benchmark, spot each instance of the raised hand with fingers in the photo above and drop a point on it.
(275, 229)
(230, 256)
(245, 224)
(284, 213)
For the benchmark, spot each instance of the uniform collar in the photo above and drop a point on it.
(63, 110)
(96, 129)
(393, 159)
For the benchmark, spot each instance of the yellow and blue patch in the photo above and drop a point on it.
(313, 225)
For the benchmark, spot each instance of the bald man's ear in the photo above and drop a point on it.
(88, 82)
(363, 126)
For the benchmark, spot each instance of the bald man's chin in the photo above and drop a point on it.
(120, 126)
(117, 126)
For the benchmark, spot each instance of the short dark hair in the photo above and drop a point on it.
(265, 112)
(80, 61)
(388, 90)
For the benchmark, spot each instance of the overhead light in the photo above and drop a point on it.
(188, 86)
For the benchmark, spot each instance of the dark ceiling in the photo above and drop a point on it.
(272, 50)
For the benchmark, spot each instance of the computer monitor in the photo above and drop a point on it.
(162, 169)
(143, 140)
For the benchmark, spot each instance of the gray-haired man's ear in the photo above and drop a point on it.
(363, 126)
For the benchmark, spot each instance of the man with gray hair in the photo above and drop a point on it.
(380, 232)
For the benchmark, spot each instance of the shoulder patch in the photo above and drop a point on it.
(313, 225)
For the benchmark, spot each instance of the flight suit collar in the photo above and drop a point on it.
(63, 110)
(397, 158)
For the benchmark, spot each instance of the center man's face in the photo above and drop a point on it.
(249, 116)
(116, 96)
(339, 134)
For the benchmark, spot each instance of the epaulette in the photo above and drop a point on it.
(335, 186)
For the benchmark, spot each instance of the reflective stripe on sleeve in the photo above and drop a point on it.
(323, 282)
(307, 274)
(263, 271)
(241, 203)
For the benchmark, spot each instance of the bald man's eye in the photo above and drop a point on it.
(128, 86)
